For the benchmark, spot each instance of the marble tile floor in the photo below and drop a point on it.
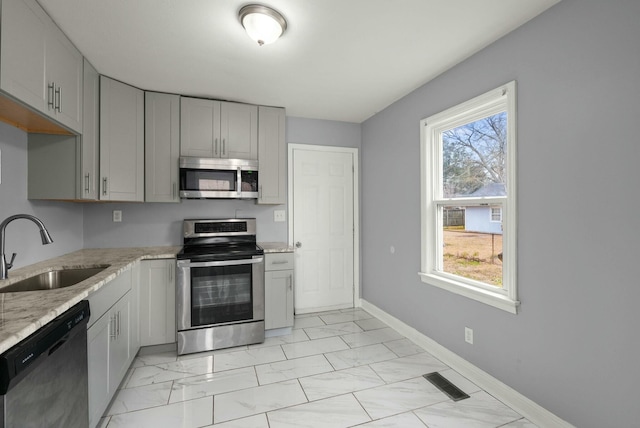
(336, 369)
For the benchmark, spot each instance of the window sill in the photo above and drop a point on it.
(497, 300)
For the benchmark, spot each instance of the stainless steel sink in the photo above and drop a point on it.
(53, 279)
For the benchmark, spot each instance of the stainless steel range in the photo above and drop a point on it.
(220, 285)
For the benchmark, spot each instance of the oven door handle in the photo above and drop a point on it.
(188, 264)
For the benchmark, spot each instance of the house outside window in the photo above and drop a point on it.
(468, 163)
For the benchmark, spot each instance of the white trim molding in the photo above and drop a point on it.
(533, 412)
(433, 199)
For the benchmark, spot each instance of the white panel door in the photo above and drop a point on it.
(323, 229)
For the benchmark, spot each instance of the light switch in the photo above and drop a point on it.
(117, 216)
(279, 215)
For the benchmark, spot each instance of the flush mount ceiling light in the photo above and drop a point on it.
(263, 24)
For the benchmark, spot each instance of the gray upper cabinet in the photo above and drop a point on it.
(272, 156)
(239, 131)
(39, 66)
(199, 127)
(64, 68)
(65, 167)
(52, 166)
(88, 183)
(218, 129)
(121, 141)
(162, 147)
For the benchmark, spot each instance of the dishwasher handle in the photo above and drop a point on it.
(18, 361)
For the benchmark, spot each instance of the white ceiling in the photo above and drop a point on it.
(339, 59)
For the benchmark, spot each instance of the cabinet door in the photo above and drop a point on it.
(88, 182)
(239, 131)
(134, 315)
(278, 302)
(98, 344)
(157, 302)
(199, 127)
(120, 350)
(22, 62)
(121, 141)
(64, 73)
(162, 147)
(271, 156)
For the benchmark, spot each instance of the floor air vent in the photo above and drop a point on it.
(440, 382)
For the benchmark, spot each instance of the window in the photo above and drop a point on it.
(496, 214)
(468, 164)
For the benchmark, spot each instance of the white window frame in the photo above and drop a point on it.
(500, 99)
(491, 214)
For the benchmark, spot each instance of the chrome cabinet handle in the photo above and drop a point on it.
(298, 244)
(224, 145)
(118, 324)
(86, 186)
(290, 282)
(104, 185)
(173, 190)
(51, 96)
(58, 99)
(279, 262)
(215, 147)
(112, 327)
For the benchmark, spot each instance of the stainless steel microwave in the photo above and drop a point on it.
(202, 178)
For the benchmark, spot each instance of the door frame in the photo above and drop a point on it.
(291, 147)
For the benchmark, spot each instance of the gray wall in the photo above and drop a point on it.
(160, 224)
(63, 220)
(323, 132)
(573, 348)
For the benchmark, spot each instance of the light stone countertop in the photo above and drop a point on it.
(276, 247)
(22, 313)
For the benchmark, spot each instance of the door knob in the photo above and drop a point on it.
(298, 244)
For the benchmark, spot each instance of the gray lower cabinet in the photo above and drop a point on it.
(121, 141)
(111, 343)
(278, 290)
(39, 66)
(157, 302)
(162, 147)
(272, 156)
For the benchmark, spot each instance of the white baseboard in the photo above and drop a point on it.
(509, 396)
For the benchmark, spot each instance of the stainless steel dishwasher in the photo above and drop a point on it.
(43, 379)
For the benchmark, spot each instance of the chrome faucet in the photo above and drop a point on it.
(44, 234)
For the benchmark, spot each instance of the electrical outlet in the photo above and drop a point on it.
(279, 215)
(468, 335)
(117, 216)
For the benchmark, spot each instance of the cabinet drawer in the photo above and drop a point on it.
(278, 261)
(108, 295)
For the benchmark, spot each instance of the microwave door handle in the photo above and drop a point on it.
(187, 263)
(239, 181)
